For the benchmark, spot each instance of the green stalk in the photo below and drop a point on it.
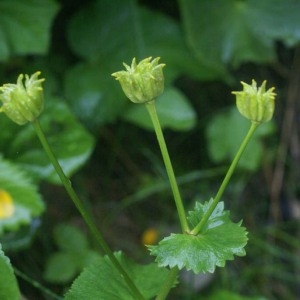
(225, 182)
(84, 213)
(168, 284)
(37, 285)
(165, 154)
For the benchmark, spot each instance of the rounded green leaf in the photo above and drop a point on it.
(173, 108)
(218, 242)
(70, 239)
(20, 33)
(226, 131)
(93, 94)
(108, 32)
(71, 143)
(61, 268)
(232, 32)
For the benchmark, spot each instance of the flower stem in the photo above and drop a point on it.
(37, 285)
(165, 154)
(229, 173)
(168, 284)
(83, 211)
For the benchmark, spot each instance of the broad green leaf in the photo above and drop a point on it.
(218, 217)
(107, 33)
(95, 97)
(218, 242)
(73, 255)
(25, 199)
(102, 281)
(232, 32)
(60, 268)
(226, 131)
(70, 142)
(69, 238)
(63, 266)
(25, 26)
(173, 108)
(9, 289)
(112, 32)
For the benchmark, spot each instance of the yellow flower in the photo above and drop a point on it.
(142, 82)
(23, 102)
(150, 236)
(256, 104)
(6, 205)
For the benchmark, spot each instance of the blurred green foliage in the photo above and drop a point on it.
(25, 27)
(74, 254)
(26, 201)
(226, 34)
(218, 242)
(226, 131)
(208, 46)
(8, 284)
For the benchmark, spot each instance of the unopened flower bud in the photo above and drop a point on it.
(256, 104)
(23, 102)
(142, 82)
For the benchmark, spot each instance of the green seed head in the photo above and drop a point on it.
(142, 82)
(23, 102)
(256, 104)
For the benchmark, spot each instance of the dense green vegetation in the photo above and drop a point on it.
(108, 148)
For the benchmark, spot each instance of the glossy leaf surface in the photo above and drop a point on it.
(71, 142)
(173, 109)
(231, 32)
(219, 240)
(25, 26)
(102, 281)
(104, 34)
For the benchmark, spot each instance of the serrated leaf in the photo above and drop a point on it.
(217, 218)
(21, 239)
(26, 201)
(232, 32)
(9, 289)
(20, 33)
(226, 131)
(102, 281)
(70, 141)
(218, 242)
(173, 109)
